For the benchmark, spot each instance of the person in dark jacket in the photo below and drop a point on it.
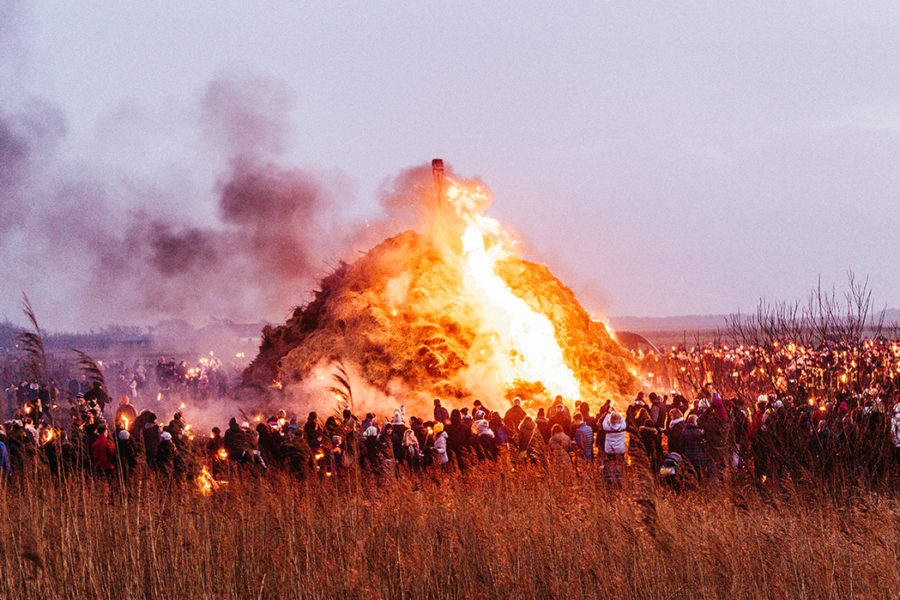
(515, 415)
(165, 455)
(150, 433)
(716, 428)
(5, 464)
(237, 444)
(440, 413)
(125, 452)
(584, 439)
(652, 442)
(457, 439)
(313, 431)
(673, 431)
(693, 443)
(559, 415)
(499, 429)
(543, 425)
(531, 443)
(97, 395)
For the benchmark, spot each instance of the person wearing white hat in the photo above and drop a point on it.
(165, 454)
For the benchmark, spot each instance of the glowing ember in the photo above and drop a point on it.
(222, 454)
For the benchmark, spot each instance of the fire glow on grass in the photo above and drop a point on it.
(525, 347)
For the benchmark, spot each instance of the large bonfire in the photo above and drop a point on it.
(452, 312)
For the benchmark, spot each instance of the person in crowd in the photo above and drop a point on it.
(895, 432)
(715, 425)
(673, 431)
(501, 436)
(487, 441)
(440, 413)
(5, 464)
(103, 454)
(515, 415)
(457, 439)
(559, 415)
(440, 445)
(651, 440)
(97, 395)
(559, 447)
(150, 435)
(125, 414)
(543, 425)
(614, 449)
(313, 431)
(412, 452)
(165, 455)
(693, 442)
(632, 420)
(584, 439)
(127, 459)
(531, 442)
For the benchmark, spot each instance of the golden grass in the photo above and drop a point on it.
(493, 533)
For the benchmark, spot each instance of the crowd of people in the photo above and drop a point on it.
(820, 372)
(142, 380)
(681, 442)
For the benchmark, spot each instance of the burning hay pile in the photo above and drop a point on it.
(452, 312)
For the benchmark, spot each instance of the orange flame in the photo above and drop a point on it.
(525, 346)
(205, 482)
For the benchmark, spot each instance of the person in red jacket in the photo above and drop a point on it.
(103, 453)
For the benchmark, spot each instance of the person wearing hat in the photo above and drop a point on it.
(165, 454)
(440, 445)
(126, 453)
(487, 442)
(370, 445)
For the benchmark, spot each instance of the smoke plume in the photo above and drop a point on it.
(94, 245)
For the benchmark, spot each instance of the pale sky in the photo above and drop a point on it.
(662, 158)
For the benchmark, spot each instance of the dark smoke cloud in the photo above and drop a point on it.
(95, 247)
(255, 264)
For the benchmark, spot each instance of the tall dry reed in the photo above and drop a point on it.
(491, 533)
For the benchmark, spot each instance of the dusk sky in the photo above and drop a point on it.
(662, 158)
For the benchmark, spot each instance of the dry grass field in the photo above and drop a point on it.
(493, 533)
